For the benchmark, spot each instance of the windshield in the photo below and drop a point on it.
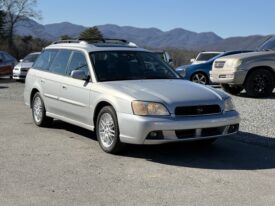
(130, 65)
(206, 56)
(268, 45)
(30, 58)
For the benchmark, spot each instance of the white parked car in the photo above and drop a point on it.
(21, 69)
(204, 57)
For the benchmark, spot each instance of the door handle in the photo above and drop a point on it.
(42, 81)
(64, 87)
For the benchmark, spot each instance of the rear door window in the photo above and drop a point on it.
(45, 59)
(60, 62)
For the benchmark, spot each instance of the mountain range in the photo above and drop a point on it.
(145, 37)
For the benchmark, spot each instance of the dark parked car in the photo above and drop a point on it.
(7, 63)
(199, 73)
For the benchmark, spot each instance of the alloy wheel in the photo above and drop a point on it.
(37, 109)
(199, 78)
(106, 130)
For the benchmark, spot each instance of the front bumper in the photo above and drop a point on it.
(136, 129)
(223, 76)
(19, 75)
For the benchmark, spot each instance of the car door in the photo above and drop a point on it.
(5, 66)
(75, 93)
(53, 79)
(47, 82)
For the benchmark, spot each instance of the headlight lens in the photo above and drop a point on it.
(149, 109)
(233, 63)
(229, 105)
(182, 73)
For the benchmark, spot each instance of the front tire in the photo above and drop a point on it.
(39, 112)
(235, 90)
(260, 83)
(107, 130)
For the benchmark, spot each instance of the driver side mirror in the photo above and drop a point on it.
(192, 60)
(80, 74)
(21, 60)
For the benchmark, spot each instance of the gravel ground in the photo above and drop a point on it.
(64, 165)
(258, 120)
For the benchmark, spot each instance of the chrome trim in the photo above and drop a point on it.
(72, 102)
(51, 96)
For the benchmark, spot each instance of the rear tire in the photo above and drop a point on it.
(235, 90)
(200, 78)
(107, 131)
(39, 112)
(259, 83)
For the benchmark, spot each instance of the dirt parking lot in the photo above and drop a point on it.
(64, 165)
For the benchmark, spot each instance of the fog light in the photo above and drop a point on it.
(155, 135)
(233, 128)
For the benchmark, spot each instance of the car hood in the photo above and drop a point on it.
(24, 65)
(248, 55)
(191, 66)
(169, 92)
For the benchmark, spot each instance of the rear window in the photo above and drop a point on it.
(44, 61)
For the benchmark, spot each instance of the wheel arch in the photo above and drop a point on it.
(33, 92)
(98, 107)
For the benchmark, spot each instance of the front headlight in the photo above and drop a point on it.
(149, 109)
(229, 105)
(233, 63)
(182, 71)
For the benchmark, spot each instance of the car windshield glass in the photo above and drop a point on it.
(206, 56)
(130, 65)
(30, 58)
(269, 45)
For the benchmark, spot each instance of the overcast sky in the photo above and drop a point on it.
(224, 17)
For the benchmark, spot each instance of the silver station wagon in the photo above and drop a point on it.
(125, 94)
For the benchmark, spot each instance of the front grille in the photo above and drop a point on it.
(219, 64)
(197, 133)
(24, 69)
(197, 110)
(208, 132)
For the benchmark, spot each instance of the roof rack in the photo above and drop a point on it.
(97, 41)
(66, 41)
(104, 40)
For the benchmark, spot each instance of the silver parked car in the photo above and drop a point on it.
(254, 71)
(124, 93)
(21, 69)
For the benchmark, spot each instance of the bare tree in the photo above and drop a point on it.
(16, 11)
